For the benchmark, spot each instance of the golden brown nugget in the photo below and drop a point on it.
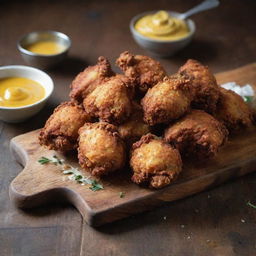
(61, 129)
(134, 127)
(233, 111)
(101, 149)
(111, 101)
(204, 85)
(154, 162)
(143, 70)
(86, 81)
(167, 101)
(197, 134)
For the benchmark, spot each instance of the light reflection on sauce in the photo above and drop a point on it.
(19, 91)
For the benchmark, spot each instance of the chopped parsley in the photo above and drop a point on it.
(74, 173)
(121, 194)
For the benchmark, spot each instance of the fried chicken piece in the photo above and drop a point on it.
(154, 162)
(61, 129)
(111, 101)
(134, 127)
(101, 149)
(204, 84)
(167, 101)
(197, 134)
(86, 81)
(233, 111)
(143, 70)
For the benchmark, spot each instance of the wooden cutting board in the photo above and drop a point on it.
(38, 184)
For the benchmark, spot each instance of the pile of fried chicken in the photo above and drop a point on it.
(145, 116)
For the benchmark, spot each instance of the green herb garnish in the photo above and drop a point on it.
(121, 194)
(54, 160)
(74, 173)
(44, 160)
(95, 186)
(252, 205)
(247, 98)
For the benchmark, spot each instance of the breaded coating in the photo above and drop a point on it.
(197, 134)
(61, 129)
(154, 162)
(86, 81)
(101, 149)
(233, 111)
(111, 101)
(134, 127)
(167, 101)
(204, 84)
(143, 70)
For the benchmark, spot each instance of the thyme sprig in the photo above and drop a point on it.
(74, 173)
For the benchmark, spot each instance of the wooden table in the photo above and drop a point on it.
(216, 222)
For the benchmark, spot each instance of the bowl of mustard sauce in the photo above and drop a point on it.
(24, 91)
(44, 49)
(162, 33)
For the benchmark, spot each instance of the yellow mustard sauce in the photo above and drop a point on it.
(19, 91)
(162, 26)
(46, 47)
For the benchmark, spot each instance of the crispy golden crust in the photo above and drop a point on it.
(233, 111)
(61, 129)
(167, 101)
(134, 127)
(86, 81)
(101, 149)
(154, 162)
(197, 134)
(204, 84)
(143, 70)
(111, 101)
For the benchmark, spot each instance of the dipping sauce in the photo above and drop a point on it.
(162, 26)
(46, 47)
(19, 92)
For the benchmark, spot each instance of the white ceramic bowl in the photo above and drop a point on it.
(19, 114)
(162, 48)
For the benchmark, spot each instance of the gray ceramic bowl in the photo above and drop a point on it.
(159, 47)
(41, 60)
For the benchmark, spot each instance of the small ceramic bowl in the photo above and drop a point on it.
(42, 60)
(159, 47)
(19, 114)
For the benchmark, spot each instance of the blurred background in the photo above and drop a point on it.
(225, 39)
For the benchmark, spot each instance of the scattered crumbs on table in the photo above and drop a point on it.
(121, 194)
(251, 205)
(182, 226)
(164, 217)
(242, 220)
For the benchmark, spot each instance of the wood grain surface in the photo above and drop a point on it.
(39, 184)
(213, 223)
